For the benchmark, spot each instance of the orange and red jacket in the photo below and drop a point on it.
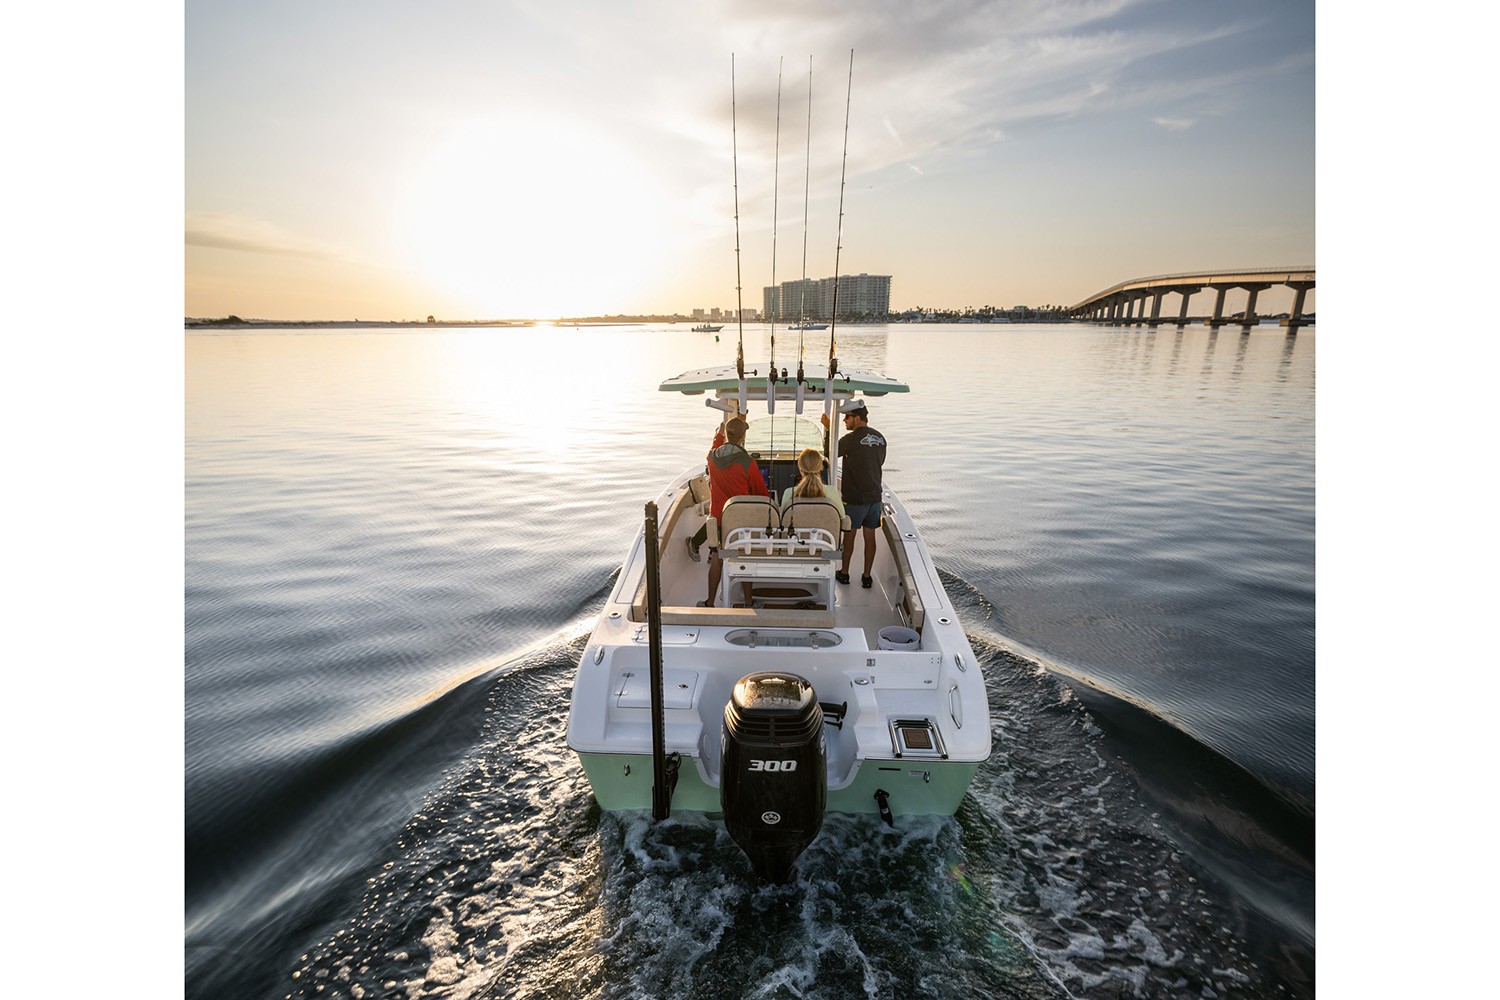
(731, 473)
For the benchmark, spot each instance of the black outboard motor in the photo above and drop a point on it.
(774, 782)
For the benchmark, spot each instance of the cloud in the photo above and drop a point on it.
(955, 76)
(933, 83)
(226, 231)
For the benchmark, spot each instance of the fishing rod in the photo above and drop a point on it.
(775, 217)
(802, 289)
(775, 220)
(739, 303)
(833, 324)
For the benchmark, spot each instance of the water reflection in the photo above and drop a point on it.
(1288, 351)
(863, 348)
(1148, 349)
(1241, 347)
(1210, 348)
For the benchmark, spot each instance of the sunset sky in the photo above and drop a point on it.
(390, 160)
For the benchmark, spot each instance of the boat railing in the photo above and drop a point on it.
(781, 542)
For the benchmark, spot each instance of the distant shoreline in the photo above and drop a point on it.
(236, 323)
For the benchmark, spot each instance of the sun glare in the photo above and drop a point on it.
(516, 217)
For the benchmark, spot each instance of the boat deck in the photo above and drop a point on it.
(684, 583)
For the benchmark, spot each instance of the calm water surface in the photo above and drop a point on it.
(396, 540)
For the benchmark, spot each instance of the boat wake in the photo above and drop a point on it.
(492, 882)
(1135, 857)
(1058, 877)
(871, 911)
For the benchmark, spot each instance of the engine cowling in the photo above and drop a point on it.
(774, 782)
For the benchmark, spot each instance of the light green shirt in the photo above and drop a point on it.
(831, 491)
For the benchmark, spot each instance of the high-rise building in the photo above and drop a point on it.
(860, 296)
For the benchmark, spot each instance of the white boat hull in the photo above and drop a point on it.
(912, 722)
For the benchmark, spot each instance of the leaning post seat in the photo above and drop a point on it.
(748, 524)
(816, 524)
(794, 564)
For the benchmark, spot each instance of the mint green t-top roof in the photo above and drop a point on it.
(716, 379)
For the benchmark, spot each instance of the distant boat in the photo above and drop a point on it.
(809, 326)
(706, 328)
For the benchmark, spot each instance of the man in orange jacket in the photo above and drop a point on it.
(731, 473)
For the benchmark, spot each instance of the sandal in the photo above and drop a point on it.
(866, 582)
(841, 576)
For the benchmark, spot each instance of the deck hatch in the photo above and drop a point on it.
(669, 636)
(783, 638)
(633, 688)
(916, 738)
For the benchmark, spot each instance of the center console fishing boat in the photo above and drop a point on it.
(792, 695)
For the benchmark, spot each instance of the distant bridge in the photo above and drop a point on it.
(1127, 301)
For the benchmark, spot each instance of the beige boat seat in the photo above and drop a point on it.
(701, 493)
(816, 525)
(746, 525)
(792, 567)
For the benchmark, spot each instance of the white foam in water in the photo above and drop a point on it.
(1234, 974)
(672, 910)
(693, 920)
(1084, 946)
(440, 939)
(1151, 948)
(1080, 869)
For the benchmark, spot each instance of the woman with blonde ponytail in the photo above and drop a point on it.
(810, 464)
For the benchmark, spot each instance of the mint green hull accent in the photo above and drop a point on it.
(622, 782)
(916, 788)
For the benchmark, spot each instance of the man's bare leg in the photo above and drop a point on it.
(715, 570)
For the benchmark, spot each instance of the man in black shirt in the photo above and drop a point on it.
(861, 455)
